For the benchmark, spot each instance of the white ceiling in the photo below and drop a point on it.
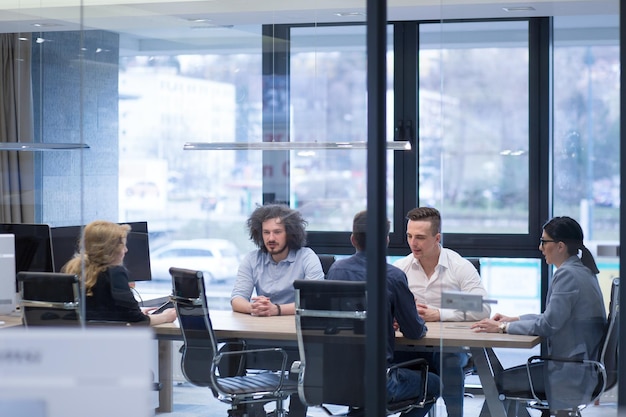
(152, 25)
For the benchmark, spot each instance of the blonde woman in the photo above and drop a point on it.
(105, 279)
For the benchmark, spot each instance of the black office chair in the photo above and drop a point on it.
(326, 261)
(604, 370)
(201, 361)
(330, 325)
(476, 263)
(49, 299)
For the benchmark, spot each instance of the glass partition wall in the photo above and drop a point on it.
(178, 115)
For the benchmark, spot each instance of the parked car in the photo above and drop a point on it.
(218, 259)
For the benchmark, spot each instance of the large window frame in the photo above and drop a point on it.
(406, 41)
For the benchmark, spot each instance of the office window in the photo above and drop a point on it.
(586, 146)
(169, 100)
(329, 104)
(165, 102)
(473, 125)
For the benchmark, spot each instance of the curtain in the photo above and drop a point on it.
(17, 197)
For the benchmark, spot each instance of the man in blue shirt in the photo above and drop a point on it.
(401, 309)
(279, 233)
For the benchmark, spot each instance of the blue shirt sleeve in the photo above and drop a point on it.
(259, 273)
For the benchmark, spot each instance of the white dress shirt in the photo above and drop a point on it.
(452, 273)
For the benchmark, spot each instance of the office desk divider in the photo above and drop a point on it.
(71, 372)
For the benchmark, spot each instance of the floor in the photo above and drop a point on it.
(190, 401)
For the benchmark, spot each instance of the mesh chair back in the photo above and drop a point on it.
(49, 299)
(330, 323)
(193, 316)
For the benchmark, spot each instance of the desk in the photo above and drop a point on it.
(281, 331)
(10, 321)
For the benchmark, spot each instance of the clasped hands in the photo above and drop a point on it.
(492, 325)
(262, 306)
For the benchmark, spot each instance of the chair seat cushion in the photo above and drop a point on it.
(513, 382)
(263, 382)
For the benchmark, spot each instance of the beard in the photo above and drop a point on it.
(275, 249)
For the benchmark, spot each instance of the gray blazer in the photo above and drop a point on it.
(573, 326)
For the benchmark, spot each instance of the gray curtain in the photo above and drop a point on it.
(17, 201)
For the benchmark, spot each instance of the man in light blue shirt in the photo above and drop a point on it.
(279, 233)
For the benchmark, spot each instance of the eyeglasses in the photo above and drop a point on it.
(542, 241)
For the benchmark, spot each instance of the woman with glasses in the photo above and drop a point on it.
(572, 325)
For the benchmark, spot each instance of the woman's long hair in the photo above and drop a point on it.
(100, 247)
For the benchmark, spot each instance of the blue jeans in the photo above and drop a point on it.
(449, 367)
(405, 383)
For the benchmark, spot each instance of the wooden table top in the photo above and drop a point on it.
(228, 324)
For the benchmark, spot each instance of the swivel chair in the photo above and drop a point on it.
(201, 361)
(49, 299)
(603, 371)
(330, 326)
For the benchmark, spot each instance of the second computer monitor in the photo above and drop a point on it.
(65, 241)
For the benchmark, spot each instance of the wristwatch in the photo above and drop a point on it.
(502, 327)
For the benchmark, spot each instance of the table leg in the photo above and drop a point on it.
(487, 366)
(482, 360)
(166, 378)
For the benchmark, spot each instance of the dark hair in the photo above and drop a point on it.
(359, 227)
(567, 230)
(428, 214)
(295, 225)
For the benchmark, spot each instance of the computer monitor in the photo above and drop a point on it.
(7, 274)
(65, 241)
(33, 247)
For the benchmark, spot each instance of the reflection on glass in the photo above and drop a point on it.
(473, 104)
(586, 125)
(329, 104)
(166, 101)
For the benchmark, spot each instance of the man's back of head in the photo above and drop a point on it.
(359, 229)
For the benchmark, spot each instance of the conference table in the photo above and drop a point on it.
(281, 331)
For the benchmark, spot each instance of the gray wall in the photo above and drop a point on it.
(75, 87)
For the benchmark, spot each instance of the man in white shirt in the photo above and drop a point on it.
(431, 270)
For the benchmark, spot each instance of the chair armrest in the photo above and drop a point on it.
(279, 351)
(583, 362)
(232, 342)
(553, 359)
(419, 365)
(232, 345)
(420, 362)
